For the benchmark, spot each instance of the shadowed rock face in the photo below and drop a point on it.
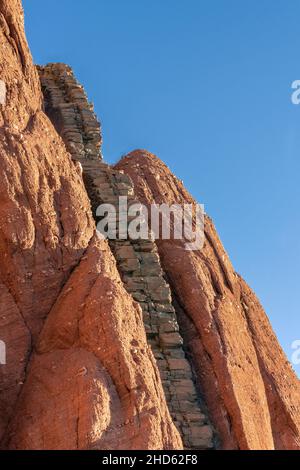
(89, 380)
(252, 393)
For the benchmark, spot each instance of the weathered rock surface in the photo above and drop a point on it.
(93, 381)
(46, 227)
(45, 221)
(252, 393)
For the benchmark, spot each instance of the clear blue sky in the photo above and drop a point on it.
(206, 86)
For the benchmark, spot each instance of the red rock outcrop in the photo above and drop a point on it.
(251, 391)
(45, 221)
(93, 381)
(46, 227)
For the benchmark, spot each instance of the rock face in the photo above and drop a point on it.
(125, 344)
(93, 381)
(66, 104)
(46, 228)
(45, 222)
(251, 391)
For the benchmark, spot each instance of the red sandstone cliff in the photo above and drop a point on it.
(250, 388)
(89, 380)
(97, 356)
(93, 381)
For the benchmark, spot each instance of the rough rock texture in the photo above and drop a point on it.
(73, 116)
(45, 222)
(46, 227)
(252, 393)
(93, 381)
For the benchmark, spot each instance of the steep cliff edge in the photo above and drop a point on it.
(250, 388)
(46, 229)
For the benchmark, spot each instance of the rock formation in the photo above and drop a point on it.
(250, 388)
(137, 260)
(45, 222)
(126, 344)
(93, 382)
(46, 233)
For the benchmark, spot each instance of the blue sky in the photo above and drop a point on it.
(205, 85)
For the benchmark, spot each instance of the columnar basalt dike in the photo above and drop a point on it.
(138, 261)
(73, 116)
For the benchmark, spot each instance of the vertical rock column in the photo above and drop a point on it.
(72, 115)
(138, 260)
